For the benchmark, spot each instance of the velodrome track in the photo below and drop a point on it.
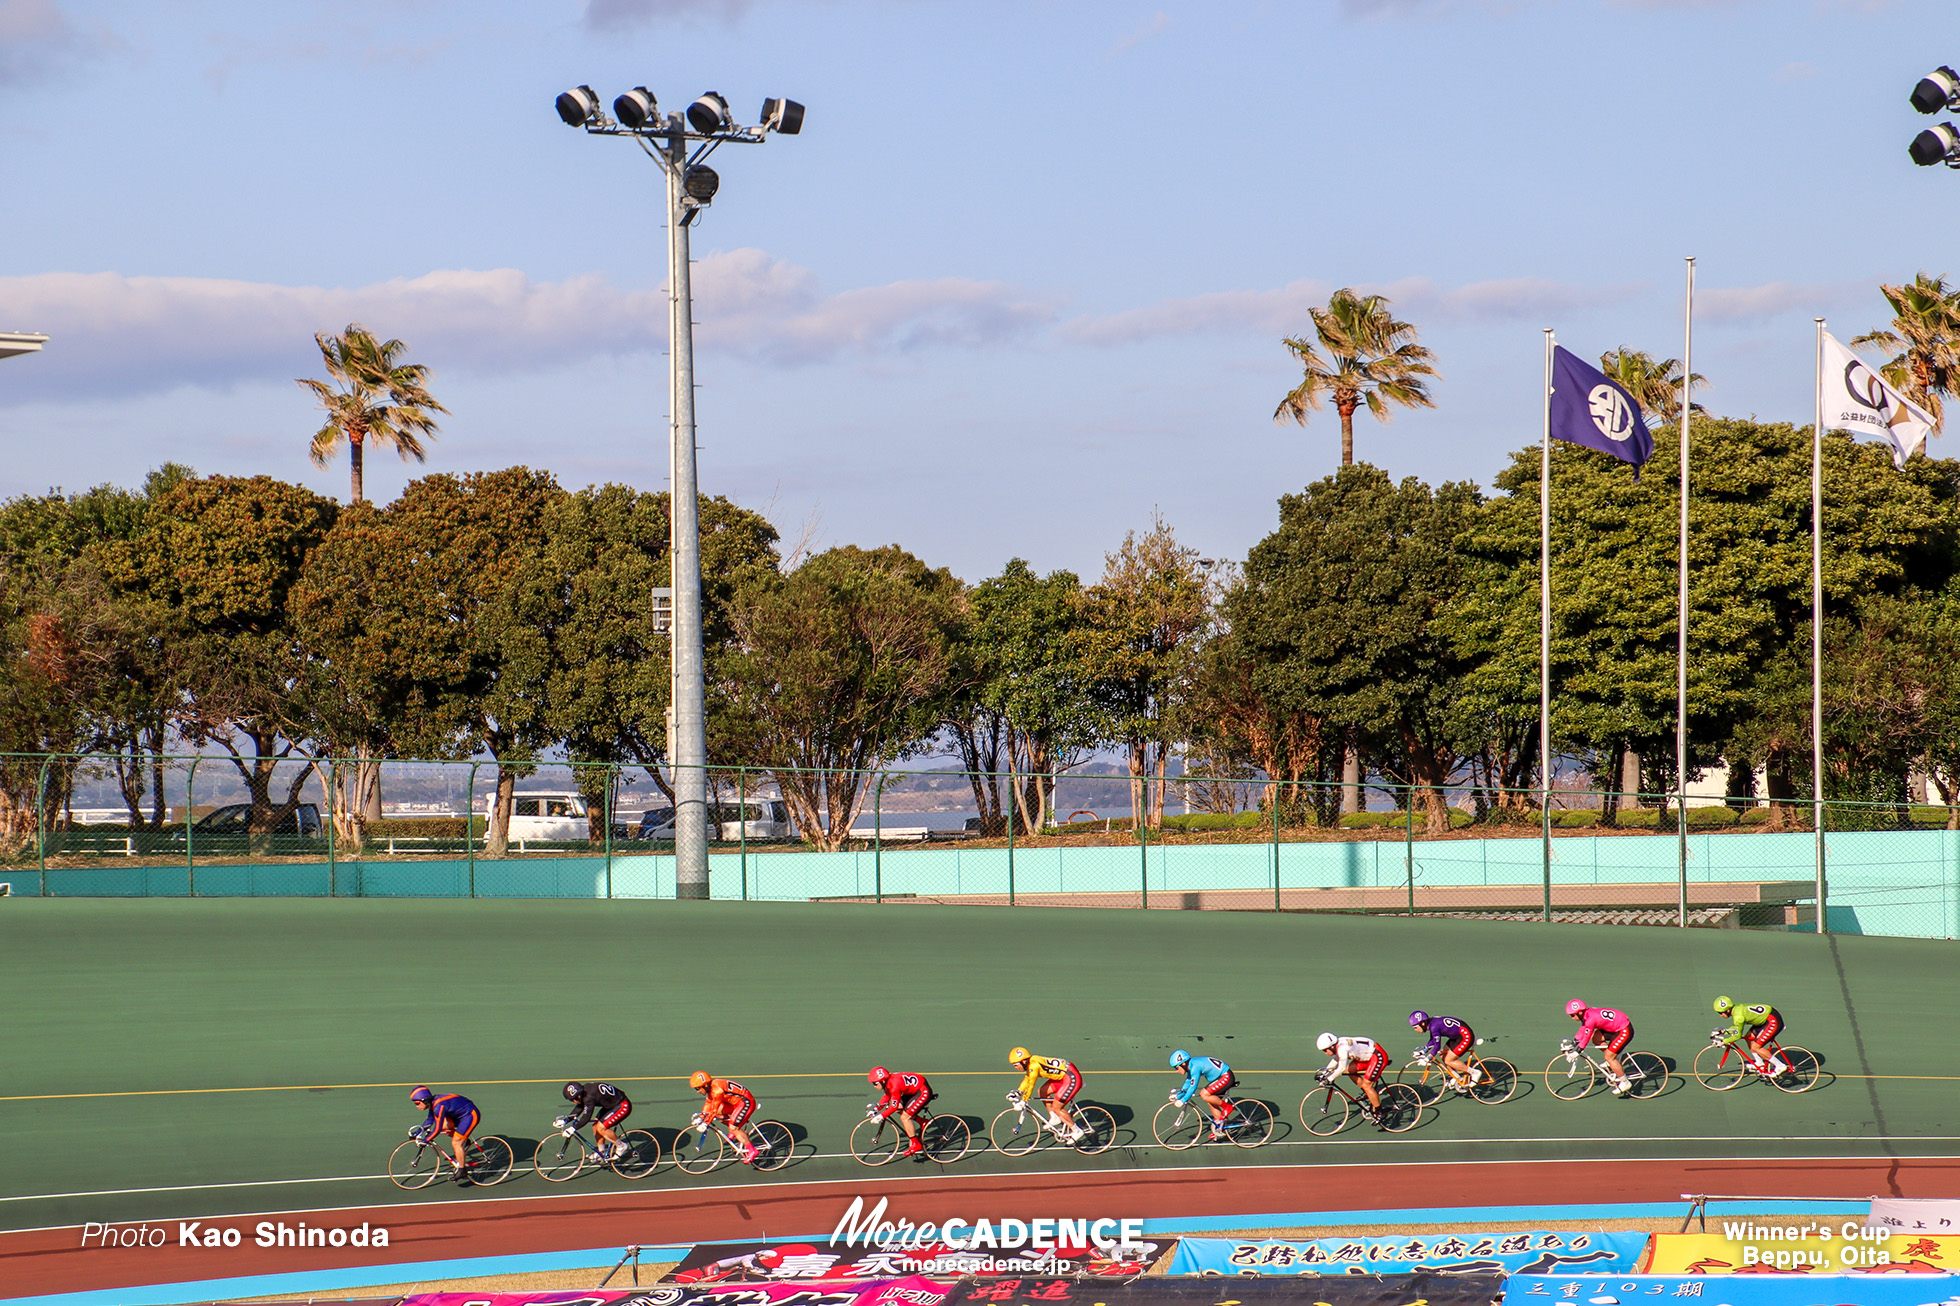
(171, 1059)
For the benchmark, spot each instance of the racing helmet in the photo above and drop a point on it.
(1723, 1006)
(1326, 1042)
(878, 1075)
(422, 1096)
(1576, 1007)
(1017, 1056)
(1180, 1059)
(572, 1091)
(699, 1080)
(1418, 1019)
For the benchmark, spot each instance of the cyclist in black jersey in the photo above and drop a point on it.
(604, 1106)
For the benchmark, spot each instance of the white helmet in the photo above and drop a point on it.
(1326, 1042)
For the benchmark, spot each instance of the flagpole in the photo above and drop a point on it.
(1817, 628)
(1545, 633)
(1681, 656)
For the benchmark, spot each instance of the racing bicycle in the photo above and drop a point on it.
(1401, 1107)
(1248, 1123)
(423, 1159)
(1499, 1082)
(946, 1138)
(564, 1154)
(1724, 1070)
(1025, 1125)
(713, 1144)
(1576, 1071)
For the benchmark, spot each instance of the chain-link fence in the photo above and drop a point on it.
(214, 826)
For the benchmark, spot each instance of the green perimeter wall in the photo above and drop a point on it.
(1901, 883)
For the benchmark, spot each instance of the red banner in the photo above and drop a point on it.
(913, 1290)
(779, 1262)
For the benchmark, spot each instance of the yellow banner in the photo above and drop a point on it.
(1809, 1247)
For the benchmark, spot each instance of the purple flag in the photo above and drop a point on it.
(1591, 409)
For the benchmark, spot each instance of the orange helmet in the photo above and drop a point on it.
(699, 1081)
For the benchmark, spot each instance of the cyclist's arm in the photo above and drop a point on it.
(1188, 1087)
(1033, 1077)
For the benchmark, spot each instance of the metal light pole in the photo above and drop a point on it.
(678, 143)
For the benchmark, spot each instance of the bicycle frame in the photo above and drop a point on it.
(1747, 1051)
(1333, 1085)
(1028, 1108)
(1417, 1061)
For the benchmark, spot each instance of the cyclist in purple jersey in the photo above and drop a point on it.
(1451, 1039)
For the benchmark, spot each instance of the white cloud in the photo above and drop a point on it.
(1156, 25)
(35, 37)
(618, 15)
(127, 335)
(1754, 303)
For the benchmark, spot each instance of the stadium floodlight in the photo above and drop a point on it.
(709, 114)
(1939, 89)
(636, 108)
(678, 143)
(1939, 144)
(578, 106)
(783, 116)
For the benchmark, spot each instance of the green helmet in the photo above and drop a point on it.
(1723, 1006)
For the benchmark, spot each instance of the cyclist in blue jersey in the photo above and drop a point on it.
(449, 1113)
(1451, 1039)
(1209, 1080)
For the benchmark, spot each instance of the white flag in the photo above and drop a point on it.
(1856, 398)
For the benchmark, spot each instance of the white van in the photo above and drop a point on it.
(753, 818)
(549, 817)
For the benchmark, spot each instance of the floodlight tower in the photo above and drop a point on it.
(1939, 89)
(679, 143)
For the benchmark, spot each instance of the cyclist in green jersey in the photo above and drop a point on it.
(1755, 1024)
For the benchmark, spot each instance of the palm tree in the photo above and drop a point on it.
(1655, 386)
(380, 398)
(1926, 318)
(1371, 359)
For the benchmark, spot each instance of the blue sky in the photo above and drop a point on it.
(1021, 280)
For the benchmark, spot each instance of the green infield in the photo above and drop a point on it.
(172, 1058)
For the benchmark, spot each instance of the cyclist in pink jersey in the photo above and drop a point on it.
(1613, 1030)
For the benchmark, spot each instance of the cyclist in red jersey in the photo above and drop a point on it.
(1613, 1030)
(905, 1096)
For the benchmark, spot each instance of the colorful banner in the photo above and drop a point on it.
(786, 1262)
(1425, 1288)
(1916, 1214)
(1812, 1247)
(1539, 1252)
(1734, 1290)
(912, 1290)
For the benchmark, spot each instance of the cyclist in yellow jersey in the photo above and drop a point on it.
(1052, 1081)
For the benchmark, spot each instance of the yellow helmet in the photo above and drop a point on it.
(699, 1080)
(1017, 1056)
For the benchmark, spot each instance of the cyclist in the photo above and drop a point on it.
(449, 1113)
(1613, 1029)
(727, 1101)
(1058, 1082)
(1758, 1024)
(1452, 1040)
(1207, 1078)
(1362, 1059)
(604, 1106)
(905, 1096)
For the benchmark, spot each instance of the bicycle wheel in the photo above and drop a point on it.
(1178, 1125)
(413, 1165)
(1098, 1130)
(704, 1155)
(774, 1144)
(1646, 1072)
(1802, 1074)
(1720, 1067)
(558, 1158)
(490, 1159)
(1331, 1117)
(1401, 1108)
(946, 1138)
(1015, 1132)
(1499, 1082)
(871, 1145)
(641, 1157)
(1570, 1080)
(1250, 1124)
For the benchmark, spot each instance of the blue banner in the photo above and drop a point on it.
(1538, 1252)
(1735, 1290)
(1590, 408)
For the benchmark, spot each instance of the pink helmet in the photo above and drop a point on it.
(1576, 1007)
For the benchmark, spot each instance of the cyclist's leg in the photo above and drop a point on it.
(1455, 1056)
(459, 1137)
(1366, 1075)
(1214, 1095)
(736, 1119)
(908, 1114)
(1611, 1052)
(603, 1126)
(1063, 1093)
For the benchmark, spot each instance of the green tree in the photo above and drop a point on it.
(1371, 358)
(1654, 385)
(1926, 331)
(374, 396)
(841, 667)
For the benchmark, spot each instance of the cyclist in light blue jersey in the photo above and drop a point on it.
(1209, 1080)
